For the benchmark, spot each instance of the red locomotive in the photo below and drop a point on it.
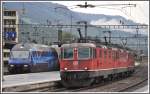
(83, 63)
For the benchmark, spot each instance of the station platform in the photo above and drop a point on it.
(30, 78)
(143, 89)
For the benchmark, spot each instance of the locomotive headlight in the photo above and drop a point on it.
(85, 68)
(25, 65)
(11, 65)
(65, 68)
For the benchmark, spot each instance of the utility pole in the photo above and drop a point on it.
(43, 37)
(59, 35)
(85, 31)
(23, 31)
(85, 26)
(2, 64)
(137, 35)
(145, 41)
(43, 40)
(109, 36)
(35, 33)
(124, 41)
(23, 9)
(71, 23)
(26, 36)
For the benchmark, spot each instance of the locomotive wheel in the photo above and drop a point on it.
(31, 70)
(26, 71)
(127, 74)
(110, 78)
(77, 83)
(121, 75)
(12, 72)
(98, 80)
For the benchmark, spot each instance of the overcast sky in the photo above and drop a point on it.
(140, 13)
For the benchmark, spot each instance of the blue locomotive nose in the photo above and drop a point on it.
(18, 65)
(19, 61)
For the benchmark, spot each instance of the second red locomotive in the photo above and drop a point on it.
(83, 63)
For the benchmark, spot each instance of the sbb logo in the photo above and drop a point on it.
(75, 63)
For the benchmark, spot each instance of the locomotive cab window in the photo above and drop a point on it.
(68, 53)
(83, 53)
(19, 54)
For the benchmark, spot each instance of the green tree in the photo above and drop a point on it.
(66, 36)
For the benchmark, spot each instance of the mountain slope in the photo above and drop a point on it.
(41, 13)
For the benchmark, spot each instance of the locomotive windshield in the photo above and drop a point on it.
(68, 53)
(19, 54)
(83, 52)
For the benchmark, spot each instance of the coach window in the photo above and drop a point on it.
(68, 53)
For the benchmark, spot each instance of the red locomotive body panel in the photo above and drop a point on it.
(85, 60)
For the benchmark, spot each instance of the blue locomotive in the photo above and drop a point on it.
(29, 57)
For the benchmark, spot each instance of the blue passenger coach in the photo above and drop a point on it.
(31, 57)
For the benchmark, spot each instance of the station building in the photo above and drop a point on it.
(10, 32)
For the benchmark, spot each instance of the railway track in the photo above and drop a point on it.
(122, 85)
(118, 85)
(114, 86)
(135, 85)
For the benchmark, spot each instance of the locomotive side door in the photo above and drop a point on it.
(110, 64)
(100, 58)
(114, 58)
(94, 58)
